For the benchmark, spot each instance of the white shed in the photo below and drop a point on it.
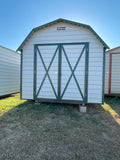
(112, 72)
(9, 71)
(63, 61)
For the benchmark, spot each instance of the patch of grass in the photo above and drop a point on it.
(57, 131)
(114, 102)
(9, 103)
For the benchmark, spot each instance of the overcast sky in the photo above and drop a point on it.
(18, 17)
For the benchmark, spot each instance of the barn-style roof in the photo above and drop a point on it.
(66, 21)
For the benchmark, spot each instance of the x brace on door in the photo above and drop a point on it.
(72, 71)
(47, 70)
(60, 49)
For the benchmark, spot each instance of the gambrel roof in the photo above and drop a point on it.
(66, 21)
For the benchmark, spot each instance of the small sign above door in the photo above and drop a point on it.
(61, 28)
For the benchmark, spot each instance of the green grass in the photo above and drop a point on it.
(8, 103)
(114, 102)
(57, 131)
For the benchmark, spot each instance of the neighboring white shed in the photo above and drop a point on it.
(9, 71)
(63, 61)
(112, 72)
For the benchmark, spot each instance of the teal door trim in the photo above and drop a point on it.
(86, 73)
(60, 48)
(59, 71)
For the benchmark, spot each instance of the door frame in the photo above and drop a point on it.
(85, 100)
(110, 74)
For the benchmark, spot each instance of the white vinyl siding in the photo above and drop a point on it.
(115, 76)
(72, 34)
(9, 71)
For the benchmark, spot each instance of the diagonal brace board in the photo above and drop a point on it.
(72, 71)
(47, 70)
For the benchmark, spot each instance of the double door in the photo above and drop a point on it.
(61, 72)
